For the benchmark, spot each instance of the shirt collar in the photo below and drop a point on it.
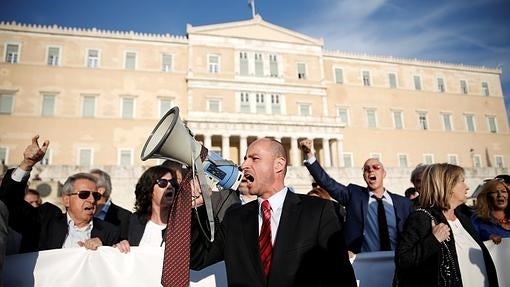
(101, 214)
(70, 224)
(385, 195)
(276, 200)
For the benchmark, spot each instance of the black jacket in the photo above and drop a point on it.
(418, 255)
(309, 249)
(44, 227)
(118, 216)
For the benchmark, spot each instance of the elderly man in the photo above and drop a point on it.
(281, 239)
(375, 216)
(46, 227)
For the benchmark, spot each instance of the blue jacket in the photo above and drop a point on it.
(355, 200)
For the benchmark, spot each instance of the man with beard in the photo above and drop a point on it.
(46, 227)
(281, 239)
(366, 229)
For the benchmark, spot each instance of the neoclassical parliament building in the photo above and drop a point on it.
(97, 95)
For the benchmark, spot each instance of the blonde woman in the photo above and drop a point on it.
(439, 246)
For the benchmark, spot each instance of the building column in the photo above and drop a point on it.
(243, 145)
(207, 141)
(327, 152)
(225, 146)
(340, 150)
(294, 152)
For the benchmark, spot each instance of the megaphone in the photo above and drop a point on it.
(171, 139)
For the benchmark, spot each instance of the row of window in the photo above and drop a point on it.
(422, 120)
(260, 103)
(250, 64)
(428, 158)
(126, 157)
(392, 83)
(88, 105)
(85, 157)
(255, 64)
(92, 58)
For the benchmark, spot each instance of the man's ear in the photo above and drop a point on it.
(65, 199)
(101, 190)
(279, 164)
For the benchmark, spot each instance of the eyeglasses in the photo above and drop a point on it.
(163, 183)
(84, 194)
(366, 168)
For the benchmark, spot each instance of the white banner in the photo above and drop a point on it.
(104, 267)
(142, 267)
(501, 256)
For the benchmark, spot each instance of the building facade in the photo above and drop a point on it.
(98, 94)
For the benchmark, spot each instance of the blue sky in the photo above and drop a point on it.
(474, 32)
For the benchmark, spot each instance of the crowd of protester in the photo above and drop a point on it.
(436, 238)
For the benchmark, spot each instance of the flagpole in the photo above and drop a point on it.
(251, 3)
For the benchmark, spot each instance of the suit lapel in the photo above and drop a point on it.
(364, 205)
(97, 229)
(250, 230)
(291, 212)
(136, 228)
(110, 214)
(59, 232)
(288, 222)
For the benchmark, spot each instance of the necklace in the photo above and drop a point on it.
(503, 220)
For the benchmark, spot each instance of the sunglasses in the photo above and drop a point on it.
(164, 183)
(84, 194)
(493, 179)
(366, 168)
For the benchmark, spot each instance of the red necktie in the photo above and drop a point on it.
(265, 245)
(177, 239)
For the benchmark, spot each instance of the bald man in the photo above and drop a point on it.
(362, 232)
(281, 239)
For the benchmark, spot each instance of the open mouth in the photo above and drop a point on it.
(372, 177)
(249, 178)
(501, 201)
(89, 210)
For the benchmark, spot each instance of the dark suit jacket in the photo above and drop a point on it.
(222, 200)
(355, 200)
(44, 227)
(309, 249)
(136, 229)
(418, 254)
(118, 216)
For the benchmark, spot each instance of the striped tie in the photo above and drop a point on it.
(266, 248)
(177, 239)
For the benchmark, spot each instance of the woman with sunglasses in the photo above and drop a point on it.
(492, 212)
(154, 194)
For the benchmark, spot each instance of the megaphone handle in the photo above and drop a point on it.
(204, 187)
